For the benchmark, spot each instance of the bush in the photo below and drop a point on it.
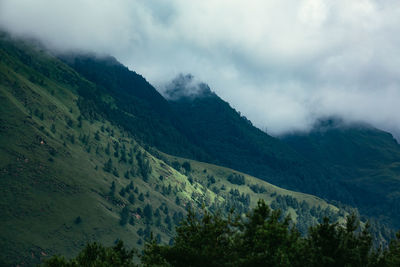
(186, 166)
(95, 254)
(78, 220)
(236, 179)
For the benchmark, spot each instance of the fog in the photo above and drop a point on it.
(283, 64)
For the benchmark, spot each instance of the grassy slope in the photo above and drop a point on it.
(45, 186)
(201, 171)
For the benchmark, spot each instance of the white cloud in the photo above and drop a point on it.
(282, 63)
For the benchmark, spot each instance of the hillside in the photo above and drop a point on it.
(364, 160)
(195, 123)
(70, 173)
(354, 164)
(233, 141)
(127, 99)
(201, 127)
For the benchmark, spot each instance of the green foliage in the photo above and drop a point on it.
(131, 198)
(148, 213)
(97, 136)
(186, 166)
(236, 179)
(112, 188)
(122, 192)
(144, 165)
(141, 197)
(176, 165)
(264, 238)
(363, 159)
(138, 107)
(40, 199)
(78, 220)
(95, 254)
(332, 245)
(53, 128)
(108, 166)
(108, 149)
(392, 254)
(124, 215)
(259, 189)
(115, 172)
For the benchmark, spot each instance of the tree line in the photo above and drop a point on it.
(263, 238)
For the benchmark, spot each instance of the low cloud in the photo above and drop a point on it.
(283, 63)
(185, 86)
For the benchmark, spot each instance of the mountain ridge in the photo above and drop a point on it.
(208, 129)
(69, 175)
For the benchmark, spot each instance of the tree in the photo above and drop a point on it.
(95, 254)
(148, 213)
(78, 220)
(236, 179)
(186, 166)
(176, 165)
(144, 166)
(122, 192)
(97, 136)
(108, 166)
(53, 128)
(141, 197)
(391, 257)
(108, 149)
(177, 201)
(330, 244)
(115, 172)
(204, 241)
(112, 189)
(124, 216)
(131, 198)
(264, 238)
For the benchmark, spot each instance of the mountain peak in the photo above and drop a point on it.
(329, 123)
(187, 87)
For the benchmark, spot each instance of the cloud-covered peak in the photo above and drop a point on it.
(186, 87)
(283, 63)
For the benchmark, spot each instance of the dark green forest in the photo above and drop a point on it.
(263, 238)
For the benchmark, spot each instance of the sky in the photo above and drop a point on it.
(281, 63)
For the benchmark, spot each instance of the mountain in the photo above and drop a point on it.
(365, 160)
(136, 104)
(197, 124)
(354, 164)
(232, 140)
(80, 161)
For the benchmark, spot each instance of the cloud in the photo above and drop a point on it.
(186, 87)
(282, 63)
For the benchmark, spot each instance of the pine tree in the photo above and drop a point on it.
(124, 216)
(108, 166)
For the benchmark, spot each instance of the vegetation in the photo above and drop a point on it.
(95, 254)
(338, 164)
(364, 159)
(80, 161)
(263, 238)
(236, 179)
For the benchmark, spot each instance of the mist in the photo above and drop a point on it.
(283, 64)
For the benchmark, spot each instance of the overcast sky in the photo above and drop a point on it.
(282, 63)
